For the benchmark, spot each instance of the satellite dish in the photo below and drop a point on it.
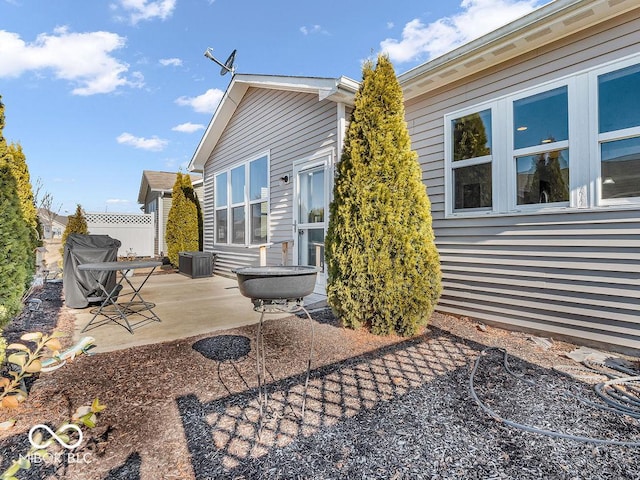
(227, 66)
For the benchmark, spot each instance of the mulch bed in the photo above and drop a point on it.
(375, 408)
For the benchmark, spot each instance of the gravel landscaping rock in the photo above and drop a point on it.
(376, 408)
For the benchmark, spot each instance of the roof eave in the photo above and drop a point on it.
(338, 90)
(547, 24)
(144, 186)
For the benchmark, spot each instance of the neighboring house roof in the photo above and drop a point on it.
(547, 24)
(341, 89)
(161, 182)
(48, 216)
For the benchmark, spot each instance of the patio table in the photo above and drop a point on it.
(111, 310)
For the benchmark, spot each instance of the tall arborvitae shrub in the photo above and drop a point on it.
(190, 195)
(15, 246)
(76, 223)
(18, 164)
(182, 225)
(384, 269)
(15, 250)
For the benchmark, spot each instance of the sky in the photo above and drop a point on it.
(95, 91)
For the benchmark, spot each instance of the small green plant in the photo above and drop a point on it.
(85, 415)
(3, 348)
(28, 361)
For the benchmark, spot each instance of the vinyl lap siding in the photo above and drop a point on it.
(575, 274)
(291, 126)
(206, 203)
(166, 206)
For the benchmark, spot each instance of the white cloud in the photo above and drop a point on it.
(205, 103)
(138, 10)
(313, 29)
(170, 164)
(153, 144)
(477, 18)
(173, 62)
(173, 164)
(188, 127)
(81, 58)
(117, 201)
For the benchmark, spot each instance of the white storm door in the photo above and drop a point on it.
(311, 212)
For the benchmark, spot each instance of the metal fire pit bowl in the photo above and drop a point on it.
(288, 282)
(276, 289)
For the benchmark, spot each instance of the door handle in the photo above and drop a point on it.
(300, 232)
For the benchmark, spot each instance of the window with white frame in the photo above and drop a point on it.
(242, 203)
(222, 213)
(619, 133)
(541, 147)
(471, 165)
(531, 168)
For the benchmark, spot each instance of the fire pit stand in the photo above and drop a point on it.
(275, 306)
(276, 289)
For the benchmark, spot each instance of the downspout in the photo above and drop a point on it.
(342, 126)
(161, 224)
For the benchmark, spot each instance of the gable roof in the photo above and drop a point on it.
(549, 23)
(47, 216)
(341, 89)
(161, 182)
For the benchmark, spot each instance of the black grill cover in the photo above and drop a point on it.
(81, 288)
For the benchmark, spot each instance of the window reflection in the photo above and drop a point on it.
(472, 139)
(472, 136)
(221, 226)
(543, 178)
(259, 215)
(473, 186)
(237, 184)
(619, 99)
(237, 217)
(621, 168)
(311, 249)
(221, 190)
(311, 208)
(241, 203)
(541, 118)
(258, 179)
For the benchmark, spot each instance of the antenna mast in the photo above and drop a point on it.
(226, 66)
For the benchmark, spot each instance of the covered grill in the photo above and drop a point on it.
(81, 288)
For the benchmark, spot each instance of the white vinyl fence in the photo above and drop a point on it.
(134, 230)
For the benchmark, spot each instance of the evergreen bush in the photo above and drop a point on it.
(16, 254)
(76, 223)
(190, 195)
(15, 250)
(182, 225)
(18, 164)
(383, 265)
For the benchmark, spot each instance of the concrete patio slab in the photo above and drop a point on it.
(187, 307)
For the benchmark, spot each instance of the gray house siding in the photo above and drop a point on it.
(164, 212)
(574, 273)
(151, 206)
(290, 126)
